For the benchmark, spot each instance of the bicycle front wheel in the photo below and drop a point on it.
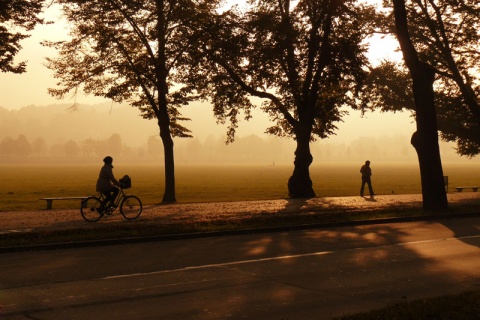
(90, 209)
(131, 207)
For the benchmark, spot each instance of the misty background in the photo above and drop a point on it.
(59, 134)
(37, 128)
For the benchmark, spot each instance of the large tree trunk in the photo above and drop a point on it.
(300, 184)
(169, 194)
(425, 139)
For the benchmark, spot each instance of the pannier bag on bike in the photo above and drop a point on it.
(126, 182)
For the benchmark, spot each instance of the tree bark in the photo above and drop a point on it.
(169, 194)
(300, 185)
(425, 139)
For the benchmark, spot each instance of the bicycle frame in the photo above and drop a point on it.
(117, 200)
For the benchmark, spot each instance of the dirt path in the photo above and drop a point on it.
(56, 219)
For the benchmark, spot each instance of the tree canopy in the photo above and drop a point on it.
(16, 17)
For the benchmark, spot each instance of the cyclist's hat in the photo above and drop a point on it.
(108, 159)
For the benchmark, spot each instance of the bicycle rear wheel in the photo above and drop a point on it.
(90, 209)
(131, 207)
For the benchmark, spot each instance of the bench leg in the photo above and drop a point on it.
(49, 204)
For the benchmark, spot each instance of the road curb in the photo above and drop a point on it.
(197, 235)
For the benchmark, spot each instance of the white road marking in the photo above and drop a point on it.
(284, 257)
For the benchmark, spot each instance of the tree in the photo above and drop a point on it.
(71, 148)
(305, 59)
(445, 35)
(115, 145)
(425, 139)
(16, 15)
(88, 147)
(39, 146)
(442, 35)
(131, 50)
(22, 146)
(7, 146)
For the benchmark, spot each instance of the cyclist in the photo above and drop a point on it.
(107, 184)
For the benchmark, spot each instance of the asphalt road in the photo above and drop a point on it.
(309, 274)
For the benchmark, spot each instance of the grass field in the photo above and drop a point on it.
(23, 185)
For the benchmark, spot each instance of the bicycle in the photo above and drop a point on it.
(92, 209)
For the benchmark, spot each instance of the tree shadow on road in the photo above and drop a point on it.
(466, 232)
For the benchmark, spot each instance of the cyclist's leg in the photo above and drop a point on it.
(106, 198)
(115, 191)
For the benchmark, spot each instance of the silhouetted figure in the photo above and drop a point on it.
(366, 172)
(106, 183)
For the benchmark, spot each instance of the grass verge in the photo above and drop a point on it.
(464, 306)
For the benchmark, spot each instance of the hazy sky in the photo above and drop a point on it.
(30, 88)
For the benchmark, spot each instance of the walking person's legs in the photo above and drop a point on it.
(362, 188)
(370, 189)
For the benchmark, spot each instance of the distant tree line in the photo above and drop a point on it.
(20, 148)
(250, 149)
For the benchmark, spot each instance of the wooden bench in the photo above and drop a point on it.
(50, 200)
(474, 188)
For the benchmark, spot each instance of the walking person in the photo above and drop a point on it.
(366, 172)
(107, 184)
